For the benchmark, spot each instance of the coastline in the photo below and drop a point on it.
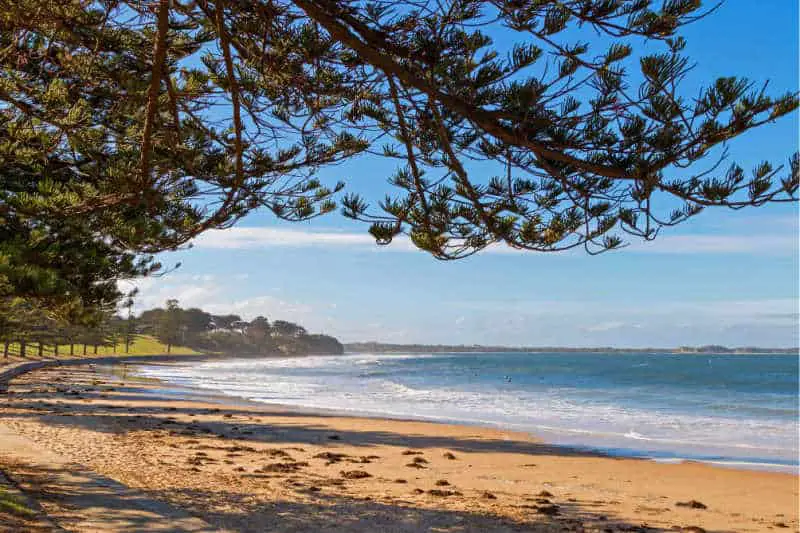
(664, 449)
(243, 465)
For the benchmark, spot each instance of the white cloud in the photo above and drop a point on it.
(261, 237)
(782, 243)
(211, 294)
(605, 326)
(268, 306)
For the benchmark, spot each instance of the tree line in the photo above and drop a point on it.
(32, 332)
(202, 330)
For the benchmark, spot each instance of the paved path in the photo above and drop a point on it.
(83, 500)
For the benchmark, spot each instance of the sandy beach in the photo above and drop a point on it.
(253, 468)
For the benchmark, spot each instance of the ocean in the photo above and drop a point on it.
(734, 410)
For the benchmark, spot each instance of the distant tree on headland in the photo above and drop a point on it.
(170, 325)
(229, 333)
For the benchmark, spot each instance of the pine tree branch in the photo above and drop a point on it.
(159, 54)
(233, 88)
(412, 160)
(371, 49)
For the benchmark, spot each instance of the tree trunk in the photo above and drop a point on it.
(5, 349)
(95, 349)
(71, 349)
(22, 348)
(41, 349)
(84, 348)
(169, 347)
(55, 350)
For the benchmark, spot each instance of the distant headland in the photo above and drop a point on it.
(380, 347)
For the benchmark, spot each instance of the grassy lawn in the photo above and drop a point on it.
(141, 345)
(9, 503)
(16, 513)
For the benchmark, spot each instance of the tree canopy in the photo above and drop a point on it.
(127, 128)
(230, 334)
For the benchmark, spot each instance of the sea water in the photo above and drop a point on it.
(737, 410)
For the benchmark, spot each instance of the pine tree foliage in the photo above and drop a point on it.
(114, 141)
(574, 128)
(129, 127)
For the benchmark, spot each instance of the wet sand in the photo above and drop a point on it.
(252, 468)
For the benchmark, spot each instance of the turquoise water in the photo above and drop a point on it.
(739, 410)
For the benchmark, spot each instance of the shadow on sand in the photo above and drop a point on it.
(317, 510)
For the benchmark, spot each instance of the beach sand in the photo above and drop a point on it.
(260, 468)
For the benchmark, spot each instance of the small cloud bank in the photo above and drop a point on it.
(244, 238)
(253, 238)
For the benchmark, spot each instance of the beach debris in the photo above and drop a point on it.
(448, 455)
(488, 496)
(549, 510)
(364, 459)
(240, 449)
(418, 462)
(442, 483)
(334, 437)
(443, 493)
(284, 467)
(779, 524)
(693, 529)
(331, 457)
(692, 504)
(545, 494)
(543, 500)
(275, 452)
(418, 491)
(354, 474)
(400, 480)
(241, 469)
(411, 452)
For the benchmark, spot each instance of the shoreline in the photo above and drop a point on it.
(248, 467)
(569, 439)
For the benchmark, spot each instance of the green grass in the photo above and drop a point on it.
(10, 503)
(141, 345)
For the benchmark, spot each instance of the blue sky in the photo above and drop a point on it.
(723, 277)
